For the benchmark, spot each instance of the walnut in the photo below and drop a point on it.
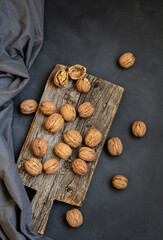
(79, 166)
(115, 146)
(54, 122)
(33, 166)
(47, 107)
(126, 60)
(74, 217)
(93, 138)
(39, 147)
(61, 78)
(73, 138)
(139, 128)
(63, 150)
(28, 106)
(68, 112)
(85, 110)
(51, 166)
(119, 182)
(87, 154)
(76, 71)
(83, 85)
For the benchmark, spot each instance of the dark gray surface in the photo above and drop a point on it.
(95, 33)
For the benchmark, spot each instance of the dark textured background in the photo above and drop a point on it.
(95, 34)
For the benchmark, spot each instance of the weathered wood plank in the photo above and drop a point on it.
(65, 185)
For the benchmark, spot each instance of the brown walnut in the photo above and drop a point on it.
(54, 122)
(85, 110)
(63, 150)
(61, 78)
(115, 146)
(28, 106)
(87, 154)
(39, 147)
(74, 217)
(93, 138)
(76, 71)
(83, 85)
(126, 60)
(79, 166)
(68, 112)
(47, 107)
(73, 138)
(51, 166)
(119, 182)
(33, 166)
(139, 128)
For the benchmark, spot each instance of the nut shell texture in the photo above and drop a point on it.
(33, 166)
(115, 146)
(93, 138)
(61, 78)
(74, 217)
(54, 123)
(68, 112)
(63, 150)
(51, 166)
(139, 129)
(76, 71)
(39, 147)
(119, 182)
(83, 85)
(28, 106)
(47, 107)
(73, 138)
(79, 166)
(85, 110)
(126, 60)
(87, 154)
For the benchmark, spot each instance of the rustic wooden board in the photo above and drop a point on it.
(65, 185)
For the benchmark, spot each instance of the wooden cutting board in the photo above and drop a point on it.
(65, 185)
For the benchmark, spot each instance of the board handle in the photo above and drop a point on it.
(41, 207)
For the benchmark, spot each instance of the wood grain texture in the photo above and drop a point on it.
(65, 185)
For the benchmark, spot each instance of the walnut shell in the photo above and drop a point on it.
(61, 78)
(39, 147)
(85, 110)
(76, 71)
(79, 166)
(63, 150)
(87, 154)
(73, 138)
(115, 146)
(139, 128)
(93, 138)
(33, 166)
(48, 107)
(68, 112)
(126, 60)
(54, 123)
(74, 217)
(83, 85)
(51, 166)
(28, 106)
(119, 182)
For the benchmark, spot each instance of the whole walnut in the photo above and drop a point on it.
(76, 71)
(79, 166)
(51, 166)
(93, 138)
(68, 112)
(74, 217)
(28, 106)
(63, 150)
(54, 122)
(33, 166)
(48, 107)
(61, 78)
(126, 60)
(115, 146)
(73, 138)
(83, 85)
(87, 154)
(119, 182)
(39, 147)
(139, 128)
(85, 110)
